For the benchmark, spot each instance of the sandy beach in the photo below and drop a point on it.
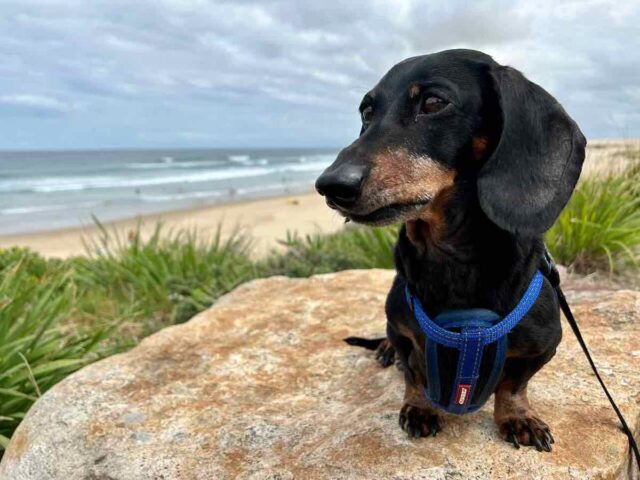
(265, 220)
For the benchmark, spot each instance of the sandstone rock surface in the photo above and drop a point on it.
(261, 386)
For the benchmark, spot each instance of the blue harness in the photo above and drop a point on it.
(478, 328)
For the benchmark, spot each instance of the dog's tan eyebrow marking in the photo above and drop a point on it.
(414, 90)
(479, 146)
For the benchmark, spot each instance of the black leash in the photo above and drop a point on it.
(554, 277)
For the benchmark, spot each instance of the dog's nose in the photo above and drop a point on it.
(342, 185)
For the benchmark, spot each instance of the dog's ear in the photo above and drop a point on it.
(537, 160)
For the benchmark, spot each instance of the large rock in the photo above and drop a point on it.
(262, 386)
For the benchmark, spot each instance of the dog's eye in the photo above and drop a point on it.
(367, 114)
(433, 104)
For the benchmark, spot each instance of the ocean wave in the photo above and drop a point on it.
(273, 187)
(53, 184)
(180, 196)
(168, 165)
(78, 183)
(45, 208)
(325, 157)
(63, 184)
(305, 167)
(230, 192)
(242, 159)
(239, 158)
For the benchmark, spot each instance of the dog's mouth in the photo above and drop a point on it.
(392, 213)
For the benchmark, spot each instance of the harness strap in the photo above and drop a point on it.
(554, 279)
(463, 397)
(489, 335)
(478, 328)
(468, 371)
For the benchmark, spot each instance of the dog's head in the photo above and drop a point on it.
(436, 118)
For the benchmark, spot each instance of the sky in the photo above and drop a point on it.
(91, 74)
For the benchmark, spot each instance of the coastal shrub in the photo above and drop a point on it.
(36, 352)
(355, 247)
(600, 227)
(166, 278)
(30, 262)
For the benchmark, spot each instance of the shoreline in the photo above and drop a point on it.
(266, 220)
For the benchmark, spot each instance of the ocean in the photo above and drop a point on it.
(54, 190)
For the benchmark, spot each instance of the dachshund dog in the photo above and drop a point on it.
(476, 162)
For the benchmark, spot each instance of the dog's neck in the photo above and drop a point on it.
(454, 257)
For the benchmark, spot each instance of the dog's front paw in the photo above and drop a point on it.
(419, 422)
(385, 353)
(527, 430)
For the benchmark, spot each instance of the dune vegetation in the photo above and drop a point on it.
(58, 315)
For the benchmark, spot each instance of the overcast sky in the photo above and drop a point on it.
(197, 73)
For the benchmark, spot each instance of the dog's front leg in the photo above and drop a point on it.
(417, 417)
(517, 421)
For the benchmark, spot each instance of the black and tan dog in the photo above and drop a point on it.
(477, 162)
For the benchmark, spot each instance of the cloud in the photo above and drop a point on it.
(36, 104)
(284, 72)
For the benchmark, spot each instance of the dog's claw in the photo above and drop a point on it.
(544, 440)
(419, 422)
(434, 425)
(536, 441)
(527, 431)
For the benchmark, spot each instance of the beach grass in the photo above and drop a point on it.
(36, 351)
(59, 315)
(164, 279)
(600, 227)
(355, 247)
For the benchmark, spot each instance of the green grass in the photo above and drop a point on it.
(600, 227)
(36, 352)
(58, 315)
(164, 279)
(353, 248)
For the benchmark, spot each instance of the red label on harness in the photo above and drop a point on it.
(462, 395)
